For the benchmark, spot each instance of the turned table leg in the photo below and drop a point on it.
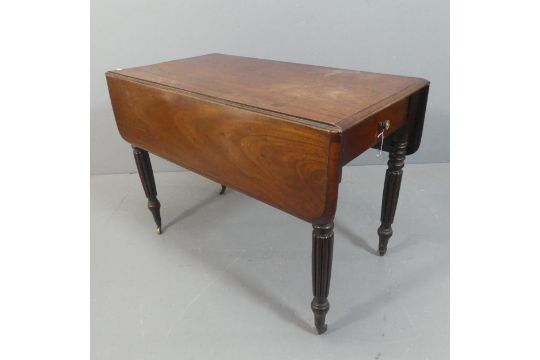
(392, 183)
(321, 261)
(144, 167)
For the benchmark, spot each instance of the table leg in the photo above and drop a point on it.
(223, 188)
(144, 167)
(392, 183)
(321, 261)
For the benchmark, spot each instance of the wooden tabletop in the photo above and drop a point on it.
(319, 94)
(276, 131)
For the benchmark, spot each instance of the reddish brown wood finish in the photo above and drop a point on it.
(292, 166)
(279, 132)
(327, 95)
(363, 134)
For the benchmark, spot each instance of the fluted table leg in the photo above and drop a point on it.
(144, 167)
(392, 183)
(323, 243)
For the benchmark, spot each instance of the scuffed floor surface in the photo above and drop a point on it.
(230, 277)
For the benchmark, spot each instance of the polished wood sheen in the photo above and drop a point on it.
(279, 132)
(288, 165)
(327, 95)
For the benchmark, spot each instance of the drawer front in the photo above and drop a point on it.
(283, 163)
(363, 135)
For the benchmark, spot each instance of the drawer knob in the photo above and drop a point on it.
(384, 125)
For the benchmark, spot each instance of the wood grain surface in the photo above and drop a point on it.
(363, 134)
(327, 95)
(277, 131)
(289, 165)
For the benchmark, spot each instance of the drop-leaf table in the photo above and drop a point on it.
(279, 132)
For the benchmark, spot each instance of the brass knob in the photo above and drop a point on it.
(384, 125)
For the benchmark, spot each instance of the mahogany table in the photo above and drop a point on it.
(276, 131)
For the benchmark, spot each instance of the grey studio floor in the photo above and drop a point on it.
(230, 277)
